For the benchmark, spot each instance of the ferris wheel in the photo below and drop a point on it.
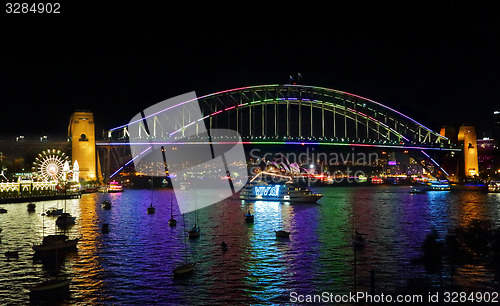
(49, 165)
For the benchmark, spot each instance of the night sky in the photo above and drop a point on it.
(435, 61)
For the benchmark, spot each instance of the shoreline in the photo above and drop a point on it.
(39, 198)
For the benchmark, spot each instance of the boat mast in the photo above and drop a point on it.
(195, 212)
(151, 190)
(185, 244)
(43, 220)
(171, 207)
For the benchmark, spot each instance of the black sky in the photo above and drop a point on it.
(436, 61)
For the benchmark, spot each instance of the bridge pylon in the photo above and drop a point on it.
(81, 134)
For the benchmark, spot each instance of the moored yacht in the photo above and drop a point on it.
(65, 219)
(56, 242)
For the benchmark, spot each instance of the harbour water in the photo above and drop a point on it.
(133, 263)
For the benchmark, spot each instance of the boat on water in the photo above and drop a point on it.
(12, 254)
(417, 190)
(249, 218)
(172, 222)
(185, 185)
(151, 209)
(89, 190)
(377, 180)
(50, 285)
(31, 207)
(286, 190)
(223, 246)
(106, 204)
(3, 211)
(53, 211)
(194, 232)
(187, 267)
(358, 240)
(184, 269)
(114, 187)
(282, 234)
(105, 228)
(439, 185)
(56, 242)
(65, 219)
(494, 186)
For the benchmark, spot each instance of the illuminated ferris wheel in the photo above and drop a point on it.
(49, 165)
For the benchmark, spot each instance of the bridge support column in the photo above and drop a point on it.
(311, 119)
(107, 164)
(367, 128)
(300, 118)
(334, 122)
(287, 118)
(275, 120)
(250, 121)
(263, 121)
(356, 122)
(323, 119)
(238, 121)
(345, 120)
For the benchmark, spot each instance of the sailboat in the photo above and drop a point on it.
(223, 246)
(186, 267)
(249, 217)
(106, 204)
(56, 286)
(358, 240)
(282, 234)
(172, 222)
(195, 231)
(105, 228)
(51, 285)
(65, 219)
(31, 206)
(151, 208)
(54, 243)
(54, 211)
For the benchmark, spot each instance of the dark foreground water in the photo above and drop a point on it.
(133, 263)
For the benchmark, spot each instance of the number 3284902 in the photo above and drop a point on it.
(33, 8)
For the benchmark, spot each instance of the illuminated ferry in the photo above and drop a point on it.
(113, 186)
(494, 186)
(259, 190)
(439, 185)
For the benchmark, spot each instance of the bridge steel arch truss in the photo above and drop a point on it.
(296, 112)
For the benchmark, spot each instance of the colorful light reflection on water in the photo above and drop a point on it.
(133, 263)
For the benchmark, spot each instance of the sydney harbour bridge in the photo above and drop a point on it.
(282, 115)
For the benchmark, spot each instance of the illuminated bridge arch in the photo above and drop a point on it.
(288, 113)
